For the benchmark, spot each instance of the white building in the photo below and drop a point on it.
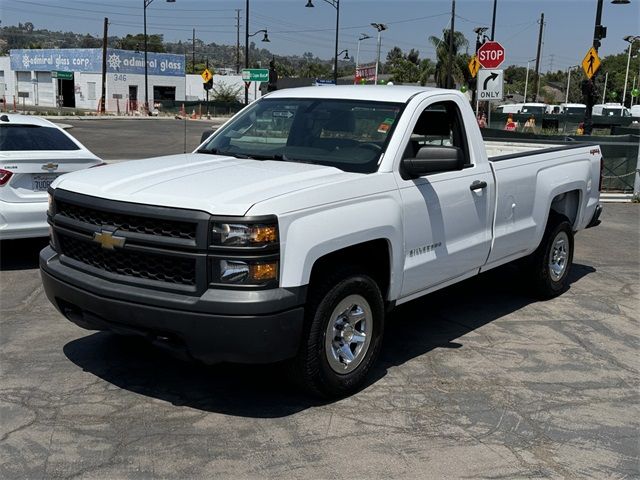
(73, 78)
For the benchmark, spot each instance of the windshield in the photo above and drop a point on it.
(347, 134)
(614, 112)
(575, 110)
(533, 109)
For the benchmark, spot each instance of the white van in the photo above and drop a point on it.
(635, 111)
(573, 108)
(610, 110)
(509, 108)
(534, 108)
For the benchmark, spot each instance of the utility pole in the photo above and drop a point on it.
(246, 52)
(238, 40)
(193, 52)
(493, 22)
(538, 55)
(451, 33)
(103, 95)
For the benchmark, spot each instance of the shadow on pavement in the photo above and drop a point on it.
(21, 254)
(438, 320)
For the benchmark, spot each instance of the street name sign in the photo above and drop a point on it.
(62, 75)
(474, 66)
(490, 84)
(591, 63)
(491, 54)
(255, 75)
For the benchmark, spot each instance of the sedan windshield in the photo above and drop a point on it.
(347, 134)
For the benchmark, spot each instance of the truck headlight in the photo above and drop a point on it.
(248, 272)
(232, 234)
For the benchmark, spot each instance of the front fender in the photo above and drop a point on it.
(311, 234)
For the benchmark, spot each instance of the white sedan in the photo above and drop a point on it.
(33, 152)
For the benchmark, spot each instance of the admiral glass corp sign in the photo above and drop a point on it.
(89, 60)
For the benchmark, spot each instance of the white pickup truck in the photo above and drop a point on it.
(291, 231)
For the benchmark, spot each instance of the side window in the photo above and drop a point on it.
(439, 124)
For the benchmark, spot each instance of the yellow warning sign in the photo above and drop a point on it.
(591, 63)
(474, 66)
(206, 75)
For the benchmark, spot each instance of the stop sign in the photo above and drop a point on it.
(491, 54)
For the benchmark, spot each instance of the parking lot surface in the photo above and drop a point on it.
(478, 380)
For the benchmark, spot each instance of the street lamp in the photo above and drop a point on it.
(146, 3)
(380, 27)
(630, 39)
(346, 54)
(599, 32)
(363, 36)
(335, 4)
(526, 79)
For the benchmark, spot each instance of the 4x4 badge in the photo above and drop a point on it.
(107, 240)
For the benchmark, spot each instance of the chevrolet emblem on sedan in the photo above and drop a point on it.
(50, 166)
(107, 240)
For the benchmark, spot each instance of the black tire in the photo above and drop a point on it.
(312, 367)
(545, 282)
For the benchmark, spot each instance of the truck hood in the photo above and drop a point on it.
(219, 185)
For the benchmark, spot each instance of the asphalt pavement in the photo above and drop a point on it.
(478, 380)
(135, 138)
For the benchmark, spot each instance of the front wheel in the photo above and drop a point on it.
(550, 264)
(343, 335)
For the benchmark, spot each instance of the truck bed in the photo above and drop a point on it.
(497, 149)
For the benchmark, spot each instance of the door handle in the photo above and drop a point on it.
(478, 185)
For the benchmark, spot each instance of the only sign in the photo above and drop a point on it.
(491, 54)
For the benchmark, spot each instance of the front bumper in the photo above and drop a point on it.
(249, 326)
(23, 220)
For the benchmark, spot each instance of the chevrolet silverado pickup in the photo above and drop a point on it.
(291, 231)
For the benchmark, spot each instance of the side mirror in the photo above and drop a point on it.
(432, 159)
(206, 134)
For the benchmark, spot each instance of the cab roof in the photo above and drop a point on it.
(381, 93)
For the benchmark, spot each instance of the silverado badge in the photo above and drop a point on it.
(107, 240)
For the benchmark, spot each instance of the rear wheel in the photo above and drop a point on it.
(343, 335)
(550, 264)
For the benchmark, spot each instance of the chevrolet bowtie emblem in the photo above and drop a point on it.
(50, 166)
(107, 240)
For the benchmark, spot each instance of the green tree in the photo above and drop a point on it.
(136, 42)
(444, 61)
(222, 92)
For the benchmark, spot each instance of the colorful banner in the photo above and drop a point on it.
(368, 72)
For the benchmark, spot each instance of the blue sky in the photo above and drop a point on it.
(294, 29)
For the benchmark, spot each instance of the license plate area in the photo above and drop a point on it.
(41, 182)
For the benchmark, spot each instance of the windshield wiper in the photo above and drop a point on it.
(277, 156)
(215, 151)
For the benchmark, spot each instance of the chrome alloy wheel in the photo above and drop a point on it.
(558, 256)
(348, 334)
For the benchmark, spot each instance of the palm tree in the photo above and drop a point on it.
(443, 60)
